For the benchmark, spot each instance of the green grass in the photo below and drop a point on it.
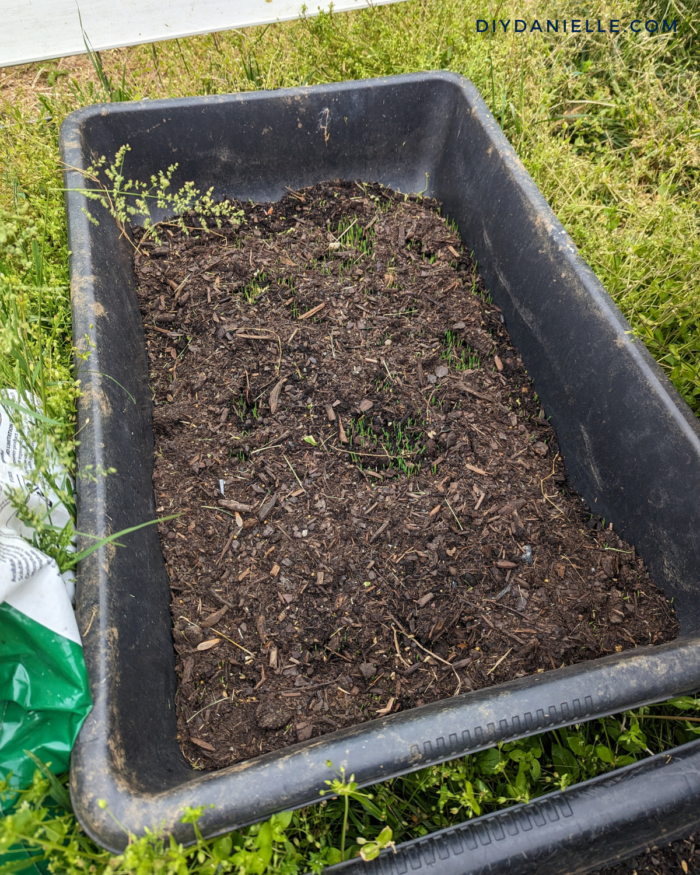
(351, 235)
(391, 446)
(459, 354)
(254, 290)
(608, 128)
(411, 806)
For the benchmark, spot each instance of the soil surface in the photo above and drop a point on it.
(374, 512)
(679, 858)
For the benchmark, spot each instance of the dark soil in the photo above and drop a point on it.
(679, 858)
(396, 524)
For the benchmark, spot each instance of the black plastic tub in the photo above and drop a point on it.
(632, 449)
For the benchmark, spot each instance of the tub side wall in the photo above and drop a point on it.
(631, 444)
(122, 591)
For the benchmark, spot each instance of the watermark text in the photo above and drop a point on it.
(575, 25)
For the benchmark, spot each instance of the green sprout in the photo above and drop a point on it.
(459, 354)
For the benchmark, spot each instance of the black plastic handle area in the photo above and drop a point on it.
(593, 824)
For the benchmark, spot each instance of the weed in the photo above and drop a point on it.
(254, 289)
(127, 199)
(432, 798)
(351, 235)
(252, 70)
(38, 391)
(347, 790)
(393, 445)
(245, 409)
(459, 354)
(112, 93)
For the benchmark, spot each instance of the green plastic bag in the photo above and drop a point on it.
(44, 695)
(44, 692)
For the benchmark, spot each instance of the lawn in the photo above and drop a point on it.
(607, 124)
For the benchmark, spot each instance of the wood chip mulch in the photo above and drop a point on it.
(679, 858)
(374, 511)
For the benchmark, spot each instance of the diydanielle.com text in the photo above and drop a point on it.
(576, 25)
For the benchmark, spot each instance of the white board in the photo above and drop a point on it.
(39, 30)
